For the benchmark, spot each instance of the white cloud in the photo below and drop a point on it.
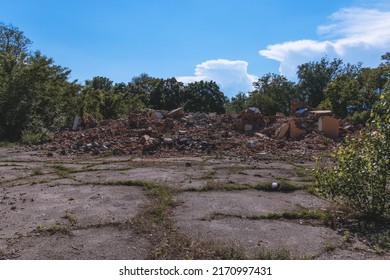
(353, 34)
(231, 75)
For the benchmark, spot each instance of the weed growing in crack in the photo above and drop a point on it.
(303, 214)
(215, 185)
(53, 228)
(64, 172)
(37, 171)
(70, 217)
(208, 175)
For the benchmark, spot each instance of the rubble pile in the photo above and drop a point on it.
(176, 133)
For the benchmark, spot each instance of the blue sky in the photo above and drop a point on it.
(232, 42)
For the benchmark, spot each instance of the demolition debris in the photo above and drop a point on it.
(176, 133)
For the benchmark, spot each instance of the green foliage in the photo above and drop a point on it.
(354, 91)
(167, 94)
(238, 103)
(33, 138)
(314, 77)
(360, 174)
(272, 94)
(204, 97)
(37, 98)
(359, 117)
(35, 94)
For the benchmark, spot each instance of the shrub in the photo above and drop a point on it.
(30, 137)
(360, 172)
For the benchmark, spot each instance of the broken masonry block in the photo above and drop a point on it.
(282, 131)
(329, 126)
(295, 131)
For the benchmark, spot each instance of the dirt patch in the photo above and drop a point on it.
(93, 243)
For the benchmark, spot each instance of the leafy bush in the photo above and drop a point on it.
(359, 117)
(360, 172)
(34, 137)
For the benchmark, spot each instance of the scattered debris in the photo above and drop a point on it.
(175, 133)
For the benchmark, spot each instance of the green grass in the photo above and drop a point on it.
(300, 171)
(161, 195)
(37, 171)
(215, 185)
(208, 175)
(5, 144)
(53, 228)
(303, 214)
(70, 217)
(285, 186)
(63, 171)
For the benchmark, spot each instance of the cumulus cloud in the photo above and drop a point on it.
(231, 75)
(352, 34)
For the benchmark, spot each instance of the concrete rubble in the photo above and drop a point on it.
(177, 133)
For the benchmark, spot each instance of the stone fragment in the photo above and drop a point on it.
(76, 123)
(295, 131)
(176, 113)
(282, 131)
(261, 135)
(251, 144)
(144, 139)
(329, 126)
(321, 113)
(168, 141)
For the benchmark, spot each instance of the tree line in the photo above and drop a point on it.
(37, 96)
(350, 91)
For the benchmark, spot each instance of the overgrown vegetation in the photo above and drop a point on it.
(359, 176)
(38, 98)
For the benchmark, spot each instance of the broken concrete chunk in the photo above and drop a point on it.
(251, 144)
(144, 139)
(281, 131)
(168, 141)
(253, 110)
(177, 113)
(155, 115)
(76, 123)
(151, 144)
(329, 126)
(295, 131)
(261, 135)
(321, 113)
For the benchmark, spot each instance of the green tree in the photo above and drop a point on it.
(35, 95)
(167, 94)
(386, 59)
(204, 96)
(238, 103)
(141, 86)
(314, 78)
(272, 94)
(100, 83)
(341, 94)
(353, 93)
